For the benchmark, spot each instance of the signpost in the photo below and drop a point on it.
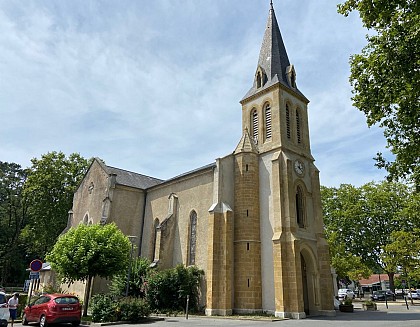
(33, 275)
(35, 266)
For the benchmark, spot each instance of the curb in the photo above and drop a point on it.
(97, 324)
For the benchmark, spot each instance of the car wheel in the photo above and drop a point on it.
(43, 321)
(24, 320)
(75, 323)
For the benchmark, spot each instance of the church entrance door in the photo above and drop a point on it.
(305, 285)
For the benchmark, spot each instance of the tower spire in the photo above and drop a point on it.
(273, 62)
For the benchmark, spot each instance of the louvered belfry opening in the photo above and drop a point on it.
(298, 127)
(267, 121)
(255, 126)
(287, 121)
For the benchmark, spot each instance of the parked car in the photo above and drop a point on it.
(4, 310)
(344, 293)
(400, 293)
(415, 295)
(53, 308)
(380, 295)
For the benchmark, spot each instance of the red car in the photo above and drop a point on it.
(53, 308)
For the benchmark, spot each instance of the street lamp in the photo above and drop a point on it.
(131, 238)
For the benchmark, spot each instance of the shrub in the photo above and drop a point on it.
(167, 290)
(348, 301)
(140, 268)
(107, 309)
(133, 309)
(104, 308)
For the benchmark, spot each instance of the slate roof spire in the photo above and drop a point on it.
(273, 63)
(273, 57)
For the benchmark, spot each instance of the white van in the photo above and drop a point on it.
(4, 310)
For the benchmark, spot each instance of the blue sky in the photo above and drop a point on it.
(154, 86)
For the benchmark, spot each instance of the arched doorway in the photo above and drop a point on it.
(304, 284)
(310, 281)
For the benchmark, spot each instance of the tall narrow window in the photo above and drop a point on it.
(155, 238)
(299, 140)
(259, 80)
(192, 238)
(287, 121)
(293, 79)
(255, 125)
(267, 121)
(300, 216)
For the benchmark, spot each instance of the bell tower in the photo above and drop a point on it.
(295, 274)
(274, 110)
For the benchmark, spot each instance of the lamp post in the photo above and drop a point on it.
(131, 238)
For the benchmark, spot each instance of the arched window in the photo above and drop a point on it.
(299, 139)
(254, 116)
(293, 79)
(287, 121)
(259, 80)
(300, 208)
(86, 219)
(268, 121)
(192, 238)
(155, 238)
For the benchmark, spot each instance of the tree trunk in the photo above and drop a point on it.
(87, 295)
(391, 281)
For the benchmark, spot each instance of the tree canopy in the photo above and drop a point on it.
(34, 203)
(359, 222)
(403, 251)
(88, 251)
(49, 190)
(13, 217)
(385, 79)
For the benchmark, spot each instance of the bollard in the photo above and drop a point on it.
(186, 309)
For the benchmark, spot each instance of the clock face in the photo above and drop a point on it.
(299, 167)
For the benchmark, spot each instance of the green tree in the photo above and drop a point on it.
(140, 268)
(404, 252)
(385, 79)
(342, 208)
(49, 189)
(13, 217)
(359, 222)
(167, 290)
(89, 251)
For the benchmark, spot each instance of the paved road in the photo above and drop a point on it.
(396, 315)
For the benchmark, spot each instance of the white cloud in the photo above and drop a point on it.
(154, 87)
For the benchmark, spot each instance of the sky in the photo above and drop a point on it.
(154, 87)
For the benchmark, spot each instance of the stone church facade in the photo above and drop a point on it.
(252, 220)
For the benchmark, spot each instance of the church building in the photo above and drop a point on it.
(252, 220)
